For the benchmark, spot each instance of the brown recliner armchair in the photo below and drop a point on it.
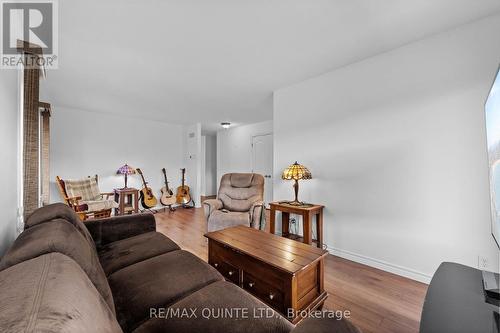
(240, 201)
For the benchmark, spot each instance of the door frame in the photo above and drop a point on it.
(251, 144)
(272, 164)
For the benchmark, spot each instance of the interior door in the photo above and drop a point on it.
(262, 162)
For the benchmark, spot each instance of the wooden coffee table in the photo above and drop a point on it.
(283, 273)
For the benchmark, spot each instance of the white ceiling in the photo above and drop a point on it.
(189, 61)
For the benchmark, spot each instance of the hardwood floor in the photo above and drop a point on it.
(378, 301)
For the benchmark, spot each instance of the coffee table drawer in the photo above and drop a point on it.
(229, 271)
(264, 291)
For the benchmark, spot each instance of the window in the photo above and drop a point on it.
(34, 129)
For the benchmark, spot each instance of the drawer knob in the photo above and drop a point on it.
(271, 296)
(216, 265)
(251, 284)
(230, 273)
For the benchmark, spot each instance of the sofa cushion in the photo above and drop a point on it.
(158, 281)
(212, 302)
(58, 211)
(117, 255)
(224, 219)
(59, 236)
(51, 293)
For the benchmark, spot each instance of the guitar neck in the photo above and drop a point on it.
(183, 174)
(144, 181)
(166, 180)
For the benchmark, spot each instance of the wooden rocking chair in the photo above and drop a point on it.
(81, 207)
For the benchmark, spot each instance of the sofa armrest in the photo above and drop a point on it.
(325, 324)
(211, 205)
(112, 229)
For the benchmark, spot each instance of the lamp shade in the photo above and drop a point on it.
(125, 170)
(296, 172)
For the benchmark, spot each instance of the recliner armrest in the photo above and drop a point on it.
(112, 229)
(325, 325)
(257, 215)
(258, 203)
(211, 205)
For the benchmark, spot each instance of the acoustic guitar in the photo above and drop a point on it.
(183, 197)
(167, 196)
(148, 199)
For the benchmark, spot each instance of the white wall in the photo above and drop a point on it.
(86, 143)
(203, 188)
(234, 147)
(209, 167)
(396, 146)
(8, 146)
(193, 160)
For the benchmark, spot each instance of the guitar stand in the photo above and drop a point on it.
(169, 207)
(188, 207)
(158, 209)
(150, 210)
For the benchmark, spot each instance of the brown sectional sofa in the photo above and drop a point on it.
(117, 275)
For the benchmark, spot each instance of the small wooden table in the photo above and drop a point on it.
(307, 213)
(127, 199)
(285, 274)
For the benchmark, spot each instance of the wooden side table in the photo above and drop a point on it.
(127, 199)
(307, 213)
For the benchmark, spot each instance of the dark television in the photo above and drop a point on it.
(492, 116)
(492, 110)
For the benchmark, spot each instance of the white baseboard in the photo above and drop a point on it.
(380, 264)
